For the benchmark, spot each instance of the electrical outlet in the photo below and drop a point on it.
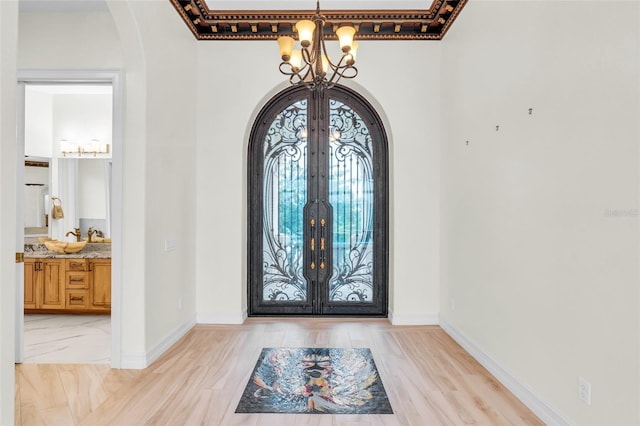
(584, 391)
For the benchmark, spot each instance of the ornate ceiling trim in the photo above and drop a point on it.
(429, 24)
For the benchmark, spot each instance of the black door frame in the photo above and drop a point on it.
(317, 115)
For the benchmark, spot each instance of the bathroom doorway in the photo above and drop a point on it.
(75, 117)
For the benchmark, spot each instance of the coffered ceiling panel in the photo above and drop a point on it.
(267, 20)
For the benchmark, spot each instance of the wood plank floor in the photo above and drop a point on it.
(429, 379)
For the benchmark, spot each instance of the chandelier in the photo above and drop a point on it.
(311, 64)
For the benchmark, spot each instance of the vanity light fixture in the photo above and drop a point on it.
(311, 64)
(95, 147)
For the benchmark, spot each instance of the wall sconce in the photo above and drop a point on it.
(95, 147)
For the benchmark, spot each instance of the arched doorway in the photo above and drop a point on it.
(318, 206)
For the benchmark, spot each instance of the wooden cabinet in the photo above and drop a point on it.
(72, 285)
(30, 283)
(77, 284)
(100, 283)
(44, 284)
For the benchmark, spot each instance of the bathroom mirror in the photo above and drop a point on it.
(36, 197)
(86, 185)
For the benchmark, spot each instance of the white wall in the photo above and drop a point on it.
(411, 105)
(229, 97)
(169, 173)
(540, 219)
(81, 118)
(67, 40)
(38, 124)
(8, 160)
(157, 55)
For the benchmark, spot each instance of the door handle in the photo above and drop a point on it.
(323, 223)
(313, 243)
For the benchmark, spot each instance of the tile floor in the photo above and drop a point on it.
(67, 339)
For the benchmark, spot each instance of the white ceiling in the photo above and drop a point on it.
(101, 5)
(62, 5)
(71, 89)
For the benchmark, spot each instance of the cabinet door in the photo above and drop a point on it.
(100, 284)
(53, 295)
(31, 276)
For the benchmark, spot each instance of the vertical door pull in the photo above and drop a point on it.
(313, 243)
(322, 258)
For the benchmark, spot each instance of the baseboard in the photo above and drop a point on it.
(527, 396)
(141, 360)
(238, 318)
(133, 360)
(413, 319)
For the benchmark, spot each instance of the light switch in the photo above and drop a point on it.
(170, 244)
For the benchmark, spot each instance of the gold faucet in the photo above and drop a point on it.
(90, 232)
(77, 234)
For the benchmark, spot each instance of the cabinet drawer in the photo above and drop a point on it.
(77, 280)
(77, 299)
(77, 265)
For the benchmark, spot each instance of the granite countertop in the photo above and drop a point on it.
(91, 251)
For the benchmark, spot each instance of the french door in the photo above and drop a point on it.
(318, 209)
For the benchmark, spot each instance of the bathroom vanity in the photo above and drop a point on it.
(67, 283)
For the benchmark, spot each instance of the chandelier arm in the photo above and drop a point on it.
(340, 70)
(344, 72)
(283, 69)
(294, 79)
(306, 55)
(352, 68)
(292, 72)
(308, 75)
(309, 59)
(331, 64)
(331, 82)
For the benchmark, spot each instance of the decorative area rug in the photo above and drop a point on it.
(315, 380)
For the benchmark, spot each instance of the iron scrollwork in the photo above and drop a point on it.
(284, 190)
(351, 195)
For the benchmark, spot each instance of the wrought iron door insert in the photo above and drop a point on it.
(318, 206)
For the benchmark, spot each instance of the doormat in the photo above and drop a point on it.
(315, 380)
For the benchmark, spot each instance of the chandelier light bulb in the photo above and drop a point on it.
(305, 30)
(286, 47)
(352, 53)
(296, 59)
(345, 36)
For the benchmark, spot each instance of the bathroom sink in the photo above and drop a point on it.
(64, 247)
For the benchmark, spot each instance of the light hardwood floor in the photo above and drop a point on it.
(429, 379)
